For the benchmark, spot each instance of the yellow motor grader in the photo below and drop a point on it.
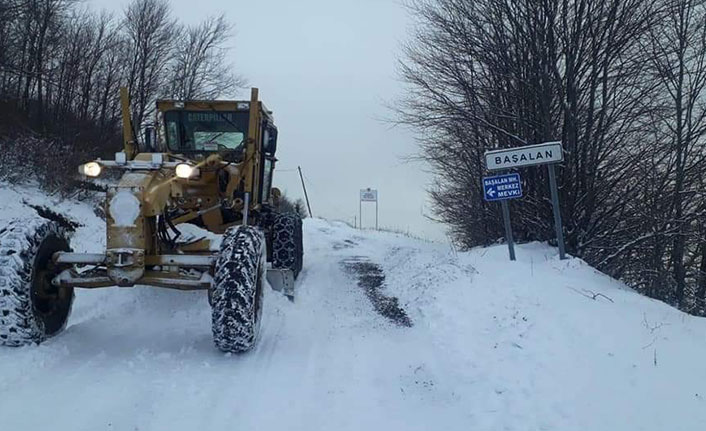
(205, 163)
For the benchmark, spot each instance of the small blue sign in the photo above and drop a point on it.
(502, 187)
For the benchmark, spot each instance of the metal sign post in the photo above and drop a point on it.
(502, 188)
(368, 195)
(557, 211)
(508, 229)
(548, 153)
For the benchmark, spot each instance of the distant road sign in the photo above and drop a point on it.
(502, 187)
(369, 195)
(540, 154)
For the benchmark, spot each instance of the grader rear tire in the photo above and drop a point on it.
(31, 308)
(287, 247)
(237, 289)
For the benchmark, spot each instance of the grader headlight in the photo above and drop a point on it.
(90, 169)
(184, 170)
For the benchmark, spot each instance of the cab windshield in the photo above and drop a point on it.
(200, 131)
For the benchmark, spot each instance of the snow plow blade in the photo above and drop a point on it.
(282, 280)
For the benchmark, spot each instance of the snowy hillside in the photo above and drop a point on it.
(387, 333)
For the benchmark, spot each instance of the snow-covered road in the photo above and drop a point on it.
(492, 346)
(143, 359)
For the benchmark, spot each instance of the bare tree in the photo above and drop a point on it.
(678, 54)
(199, 69)
(61, 66)
(151, 32)
(619, 82)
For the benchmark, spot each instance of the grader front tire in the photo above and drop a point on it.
(31, 308)
(237, 289)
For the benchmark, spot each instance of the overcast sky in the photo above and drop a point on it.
(326, 68)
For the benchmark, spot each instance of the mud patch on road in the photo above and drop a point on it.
(372, 279)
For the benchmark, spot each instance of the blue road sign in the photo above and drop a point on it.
(502, 187)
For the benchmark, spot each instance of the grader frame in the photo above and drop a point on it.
(144, 209)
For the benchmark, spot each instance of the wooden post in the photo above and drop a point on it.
(306, 196)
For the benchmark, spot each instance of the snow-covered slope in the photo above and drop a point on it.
(539, 344)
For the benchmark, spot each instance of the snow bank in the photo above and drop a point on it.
(542, 343)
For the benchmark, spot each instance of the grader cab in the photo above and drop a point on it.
(206, 163)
